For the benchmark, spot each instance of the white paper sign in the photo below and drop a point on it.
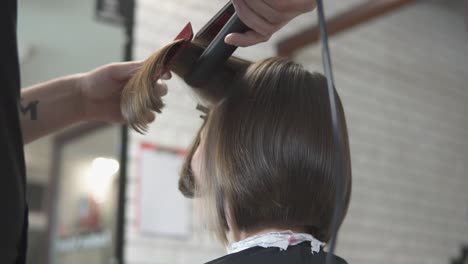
(163, 209)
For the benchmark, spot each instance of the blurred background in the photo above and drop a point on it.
(101, 194)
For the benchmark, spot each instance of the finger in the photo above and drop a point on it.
(309, 6)
(122, 71)
(247, 39)
(253, 20)
(166, 76)
(268, 13)
(150, 117)
(161, 88)
(295, 6)
(305, 5)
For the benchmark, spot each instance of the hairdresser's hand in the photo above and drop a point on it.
(265, 17)
(101, 90)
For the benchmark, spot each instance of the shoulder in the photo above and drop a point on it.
(294, 255)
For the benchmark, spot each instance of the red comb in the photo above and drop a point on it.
(186, 35)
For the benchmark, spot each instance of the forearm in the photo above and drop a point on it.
(50, 106)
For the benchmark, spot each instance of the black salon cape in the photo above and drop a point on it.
(13, 215)
(298, 254)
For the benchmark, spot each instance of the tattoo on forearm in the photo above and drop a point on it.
(30, 108)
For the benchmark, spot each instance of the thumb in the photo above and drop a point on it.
(246, 39)
(122, 71)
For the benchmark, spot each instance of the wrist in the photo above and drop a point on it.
(77, 84)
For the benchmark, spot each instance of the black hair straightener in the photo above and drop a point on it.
(217, 51)
(204, 57)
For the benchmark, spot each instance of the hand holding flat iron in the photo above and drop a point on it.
(265, 17)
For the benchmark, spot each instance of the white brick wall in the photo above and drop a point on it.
(404, 83)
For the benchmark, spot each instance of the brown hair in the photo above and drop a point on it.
(268, 150)
(269, 153)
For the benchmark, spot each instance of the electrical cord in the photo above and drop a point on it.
(336, 128)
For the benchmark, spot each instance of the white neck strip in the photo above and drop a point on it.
(280, 240)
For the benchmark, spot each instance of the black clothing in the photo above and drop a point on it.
(298, 254)
(13, 212)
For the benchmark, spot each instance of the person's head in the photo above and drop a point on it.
(264, 156)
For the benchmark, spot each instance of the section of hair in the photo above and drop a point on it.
(220, 84)
(269, 156)
(140, 96)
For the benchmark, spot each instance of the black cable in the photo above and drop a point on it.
(336, 128)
